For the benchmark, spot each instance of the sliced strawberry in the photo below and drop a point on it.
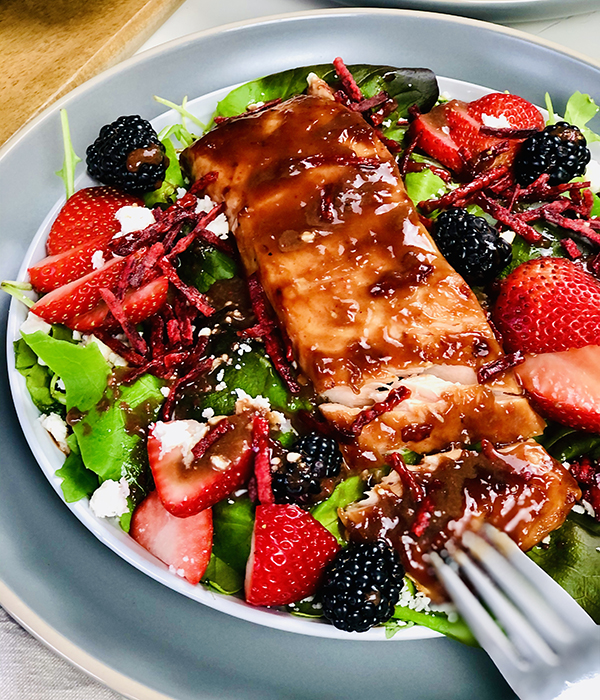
(55, 270)
(289, 552)
(565, 386)
(547, 305)
(188, 484)
(87, 214)
(79, 305)
(138, 304)
(452, 132)
(183, 543)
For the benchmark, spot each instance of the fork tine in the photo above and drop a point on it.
(557, 616)
(483, 627)
(529, 644)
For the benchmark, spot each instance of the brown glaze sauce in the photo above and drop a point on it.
(150, 155)
(519, 489)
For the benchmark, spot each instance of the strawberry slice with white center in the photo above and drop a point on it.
(290, 550)
(79, 304)
(182, 543)
(56, 270)
(565, 386)
(195, 465)
(87, 214)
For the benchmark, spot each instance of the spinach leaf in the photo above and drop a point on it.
(82, 368)
(109, 434)
(344, 493)
(572, 558)
(38, 379)
(233, 522)
(407, 86)
(566, 444)
(221, 577)
(203, 265)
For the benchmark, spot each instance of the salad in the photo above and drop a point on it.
(180, 391)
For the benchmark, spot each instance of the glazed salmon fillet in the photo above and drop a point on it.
(319, 210)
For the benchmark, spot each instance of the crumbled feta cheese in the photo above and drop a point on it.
(495, 122)
(177, 572)
(111, 357)
(589, 508)
(34, 323)
(509, 236)
(60, 385)
(109, 500)
(41, 362)
(208, 413)
(181, 192)
(204, 332)
(293, 456)
(77, 336)
(133, 218)
(446, 130)
(220, 386)
(219, 462)
(245, 402)
(184, 434)
(279, 421)
(592, 173)
(57, 427)
(577, 508)
(165, 391)
(97, 260)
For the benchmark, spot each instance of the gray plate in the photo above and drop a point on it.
(492, 10)
(66, 581)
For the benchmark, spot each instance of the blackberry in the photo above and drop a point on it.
(362, 585)
(559, 150)
(473, 247)
(313, 458)
(127, 154)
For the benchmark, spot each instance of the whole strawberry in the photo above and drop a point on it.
(548, 305)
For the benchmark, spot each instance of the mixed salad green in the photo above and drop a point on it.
(79, 378)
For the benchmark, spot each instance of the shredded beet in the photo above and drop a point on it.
(367, 415)
(217, 431)
(131, 356)
(404, 161)
(199, 300)
(379, 116)
(266, 329)
(348, 82)
(581, 227)
(116, 309)
(511, 220)
(412, 166)
(507, 132)
(392, 145)
(496, 367)
(262, 459)
(536, 213)
(203, 182)
(571, 248)
(464, 192)
(408, 478)
(201, 368)
(366, 105)
(424, 513)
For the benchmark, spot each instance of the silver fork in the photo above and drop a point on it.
(544, 644)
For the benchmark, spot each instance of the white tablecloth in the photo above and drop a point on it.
(28, 670)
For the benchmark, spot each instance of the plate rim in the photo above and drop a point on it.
(10, 600)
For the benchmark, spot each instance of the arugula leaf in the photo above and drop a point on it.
(82, 368)
(345, 492)
(579, 111)
(233, 522)
(407, 86)
(573, 560)
(38, 379)
(16, 289)
(67, 172)
(438, 621)
(109, 433)
(221, 577)
(182, 111)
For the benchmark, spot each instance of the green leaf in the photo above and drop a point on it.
(233, 522)
(454, 627)
(16, 289)
(579, 111)
(67, 172)
(182, 111)
(566, 444)
(407, 86)
(77, 481)
(203, 265)
(309, 607)
(550, 109)
(572, 558)
(344, 493)
(424, 185)
(221, 577)
(109, 434)
(253, 373)
(167, 192)
(38, 379)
